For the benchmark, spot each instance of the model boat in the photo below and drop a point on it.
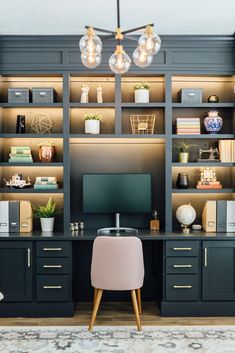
(17, 182)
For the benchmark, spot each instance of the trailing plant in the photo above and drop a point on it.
(142, 85)
(93, 116)
(47, 211)
(183, 147)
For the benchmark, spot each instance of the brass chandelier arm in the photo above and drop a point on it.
(137, 28)
(102, 30)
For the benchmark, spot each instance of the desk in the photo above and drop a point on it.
(187, 275)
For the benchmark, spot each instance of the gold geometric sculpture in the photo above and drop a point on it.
(42, 124)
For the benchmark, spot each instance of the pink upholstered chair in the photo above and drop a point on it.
(117, 264)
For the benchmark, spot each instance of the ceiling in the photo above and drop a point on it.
(70, 16)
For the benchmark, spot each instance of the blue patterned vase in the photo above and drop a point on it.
(213, 122)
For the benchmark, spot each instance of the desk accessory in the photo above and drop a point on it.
(212, 155)
(26, 217)
(17, 182)
(213, 122)
(230, 224)
(20, 124)
(221, 219)
(155, 223)
(142, 124)
(208, 179)
(209, 216)
(14, 216)
(185, 215)
(196, 227)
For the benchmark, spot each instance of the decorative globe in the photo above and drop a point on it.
(185, 215)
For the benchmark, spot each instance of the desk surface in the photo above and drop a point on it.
(91, 234)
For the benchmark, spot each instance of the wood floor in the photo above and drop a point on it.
(116, 314)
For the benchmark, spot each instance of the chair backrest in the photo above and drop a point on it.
(117, 263)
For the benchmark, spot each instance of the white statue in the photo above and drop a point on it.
(99, 90)
(1, 296)
(84, 95)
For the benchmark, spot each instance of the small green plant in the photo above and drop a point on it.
(183, 147)
(47, 211)
(142, 85)
(93, 116)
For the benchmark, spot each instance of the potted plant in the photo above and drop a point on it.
(183, 149)
(92, 123)
(142, 92)
(47, 215)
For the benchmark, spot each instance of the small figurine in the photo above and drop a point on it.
(99, 90)
(17, 182)
(84, 96)
(213, 99)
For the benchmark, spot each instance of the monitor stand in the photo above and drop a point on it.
(117, 230)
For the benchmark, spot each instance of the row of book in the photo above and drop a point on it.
(218, 216)
(20, 154)
(16, 217)
(227, 151)
(188, 126)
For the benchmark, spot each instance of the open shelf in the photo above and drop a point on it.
(31, 191)
(198, 191)
(92, 105)
(37, 136)
(31, 105)
(34, 164)
(204, 136)
(143, 105)
(203, 164)
(203, 105)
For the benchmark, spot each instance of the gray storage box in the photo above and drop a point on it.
(43, 95)
(18, 95)
(190, 95)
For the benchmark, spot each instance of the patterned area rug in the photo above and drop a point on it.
(154, 339)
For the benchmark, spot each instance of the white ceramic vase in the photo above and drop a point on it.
(47, 224)
(92, 126)
(141, 95)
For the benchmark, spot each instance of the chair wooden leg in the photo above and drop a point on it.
(136, 310)
(138, 291)
(95, 309)
(95, 295)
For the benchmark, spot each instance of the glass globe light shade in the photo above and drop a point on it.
(141, 58)
(90, 42)
(90, 60)
(119, 61)
(150, 42)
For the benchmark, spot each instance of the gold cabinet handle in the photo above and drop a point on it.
(205, 257)
(29, 258)
(182, 249)
(182, 287)
(52, 287)
(52, 266)
(52, 249)
(182, 266)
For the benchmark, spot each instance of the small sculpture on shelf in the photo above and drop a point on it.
(46, 152)
(17, 182)
(85, 94)
(42, 124)
(99, 91)
(211, 153)
(20, 124)
(208, 179)
(213, 99)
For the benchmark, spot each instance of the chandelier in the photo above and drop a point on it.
(148, 44)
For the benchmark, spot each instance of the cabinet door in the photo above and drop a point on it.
(219, 270)
(16, 270)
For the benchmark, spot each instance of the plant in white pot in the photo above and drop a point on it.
(142, 92)
(92, 123)
(47, 215)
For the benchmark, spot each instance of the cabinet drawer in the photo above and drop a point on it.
(182, 248)
(53, 248)
(53, 265)
(53, 288)
(182, 265)
(182, 287)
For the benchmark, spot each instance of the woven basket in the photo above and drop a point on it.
(142, 124)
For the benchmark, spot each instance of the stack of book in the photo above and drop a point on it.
(20, 155)
(227, 151)
(44, 183)
(188, 126)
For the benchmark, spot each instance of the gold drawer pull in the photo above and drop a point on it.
(52, 287)
(52, 266)
(52, 249)
(182, 249)
(182, 266)
(182, 287)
